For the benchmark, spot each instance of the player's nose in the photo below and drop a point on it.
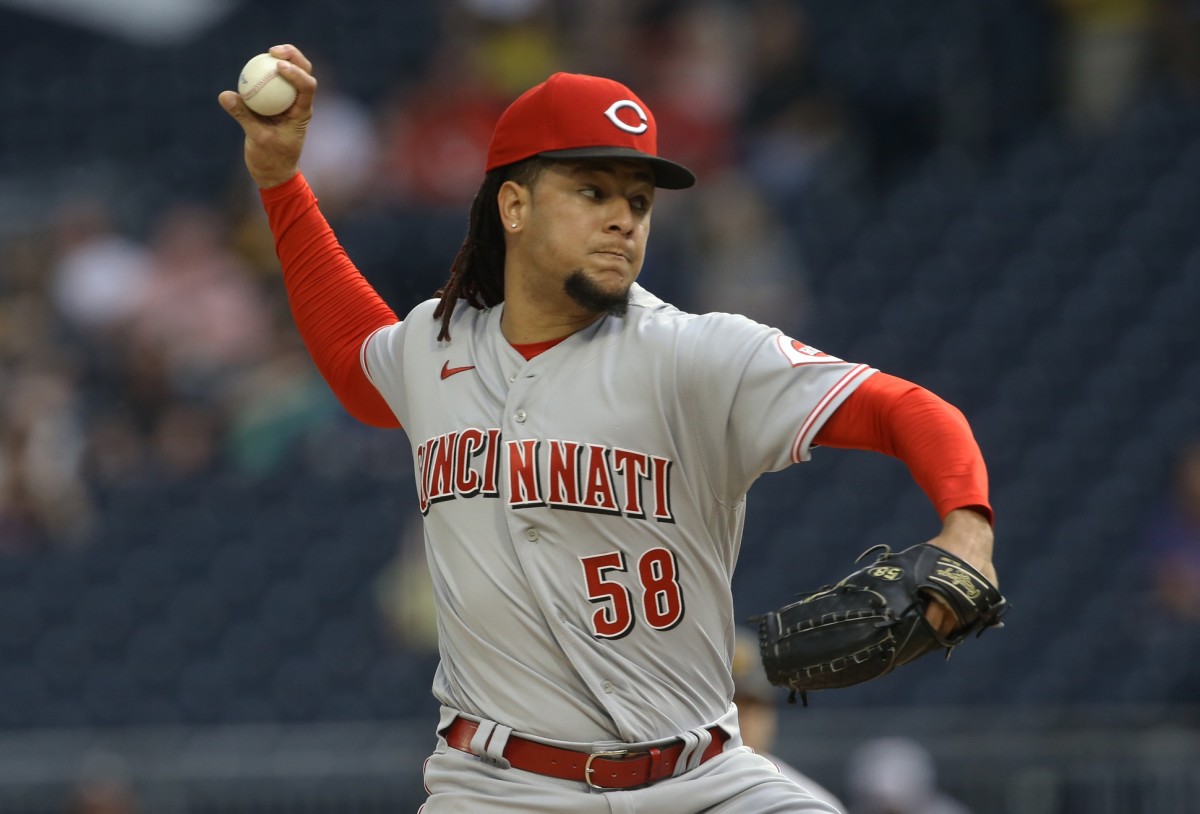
(621, 219)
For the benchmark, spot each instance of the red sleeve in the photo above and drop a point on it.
(334, 307)
(898, 418)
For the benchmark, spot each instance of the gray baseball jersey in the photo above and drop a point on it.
(583, 510)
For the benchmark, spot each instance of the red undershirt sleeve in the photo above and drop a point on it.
(932, 437)
(334, 307)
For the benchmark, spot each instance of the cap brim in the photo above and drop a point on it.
(667, 174)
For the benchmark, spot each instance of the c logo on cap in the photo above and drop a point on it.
(611, 113)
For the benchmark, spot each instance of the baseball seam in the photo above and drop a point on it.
(260, 84)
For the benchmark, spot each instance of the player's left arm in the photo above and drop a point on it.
(934, 440)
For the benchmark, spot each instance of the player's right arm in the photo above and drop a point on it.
(273, 144)
(334, 307)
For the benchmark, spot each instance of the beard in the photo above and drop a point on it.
(580, 288)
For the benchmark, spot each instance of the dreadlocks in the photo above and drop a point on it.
(477, 273)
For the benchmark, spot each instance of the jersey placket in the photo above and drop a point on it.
(530, 527)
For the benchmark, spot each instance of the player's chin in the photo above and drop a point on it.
(600, 292)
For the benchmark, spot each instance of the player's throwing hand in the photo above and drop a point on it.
(273, 143)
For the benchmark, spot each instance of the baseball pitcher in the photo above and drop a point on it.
(583, 452)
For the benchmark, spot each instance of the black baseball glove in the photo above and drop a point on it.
(874, 620)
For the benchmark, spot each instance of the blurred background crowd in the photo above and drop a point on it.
(998, 200)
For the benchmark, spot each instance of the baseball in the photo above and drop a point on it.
(262, 88)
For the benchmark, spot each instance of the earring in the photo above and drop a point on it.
(514, 226)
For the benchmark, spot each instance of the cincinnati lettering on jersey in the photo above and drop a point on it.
(560, 474)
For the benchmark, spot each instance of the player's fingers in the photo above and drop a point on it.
(236, 108)
(304, 83)
(940, 616)
(256, 128)
(292, 54)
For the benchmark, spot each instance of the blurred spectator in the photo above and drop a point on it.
(43, 495)
(41, 472)
(514, 42)
(1172, 539)
(136, 384)
(693, 67)
(341, 149)
(201, 312)
(186, 441)
(603, 37)
(758, 712)
(435, 133)
(274, 405)
(1105, 53)
(896, 776)
(98, 274)
(28, 328)
(117, 452)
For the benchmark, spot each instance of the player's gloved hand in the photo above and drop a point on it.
(274, 143)
(968, 535)
(878, 618)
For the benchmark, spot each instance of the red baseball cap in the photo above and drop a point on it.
(578, 116)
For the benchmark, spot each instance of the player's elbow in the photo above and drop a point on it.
(361, 400)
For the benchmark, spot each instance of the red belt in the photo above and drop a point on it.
(612, 769)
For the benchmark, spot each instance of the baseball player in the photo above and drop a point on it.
(583, 452)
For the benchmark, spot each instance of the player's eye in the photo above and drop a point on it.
(640, 203)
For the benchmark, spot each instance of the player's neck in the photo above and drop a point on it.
(523, 324)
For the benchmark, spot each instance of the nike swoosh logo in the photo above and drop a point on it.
(448, 371)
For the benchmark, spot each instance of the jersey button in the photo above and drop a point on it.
(531, 535)
(519, 416)
(607, 686)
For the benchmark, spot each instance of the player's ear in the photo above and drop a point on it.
(512, 200)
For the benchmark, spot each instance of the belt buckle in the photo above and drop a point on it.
(588, 770)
